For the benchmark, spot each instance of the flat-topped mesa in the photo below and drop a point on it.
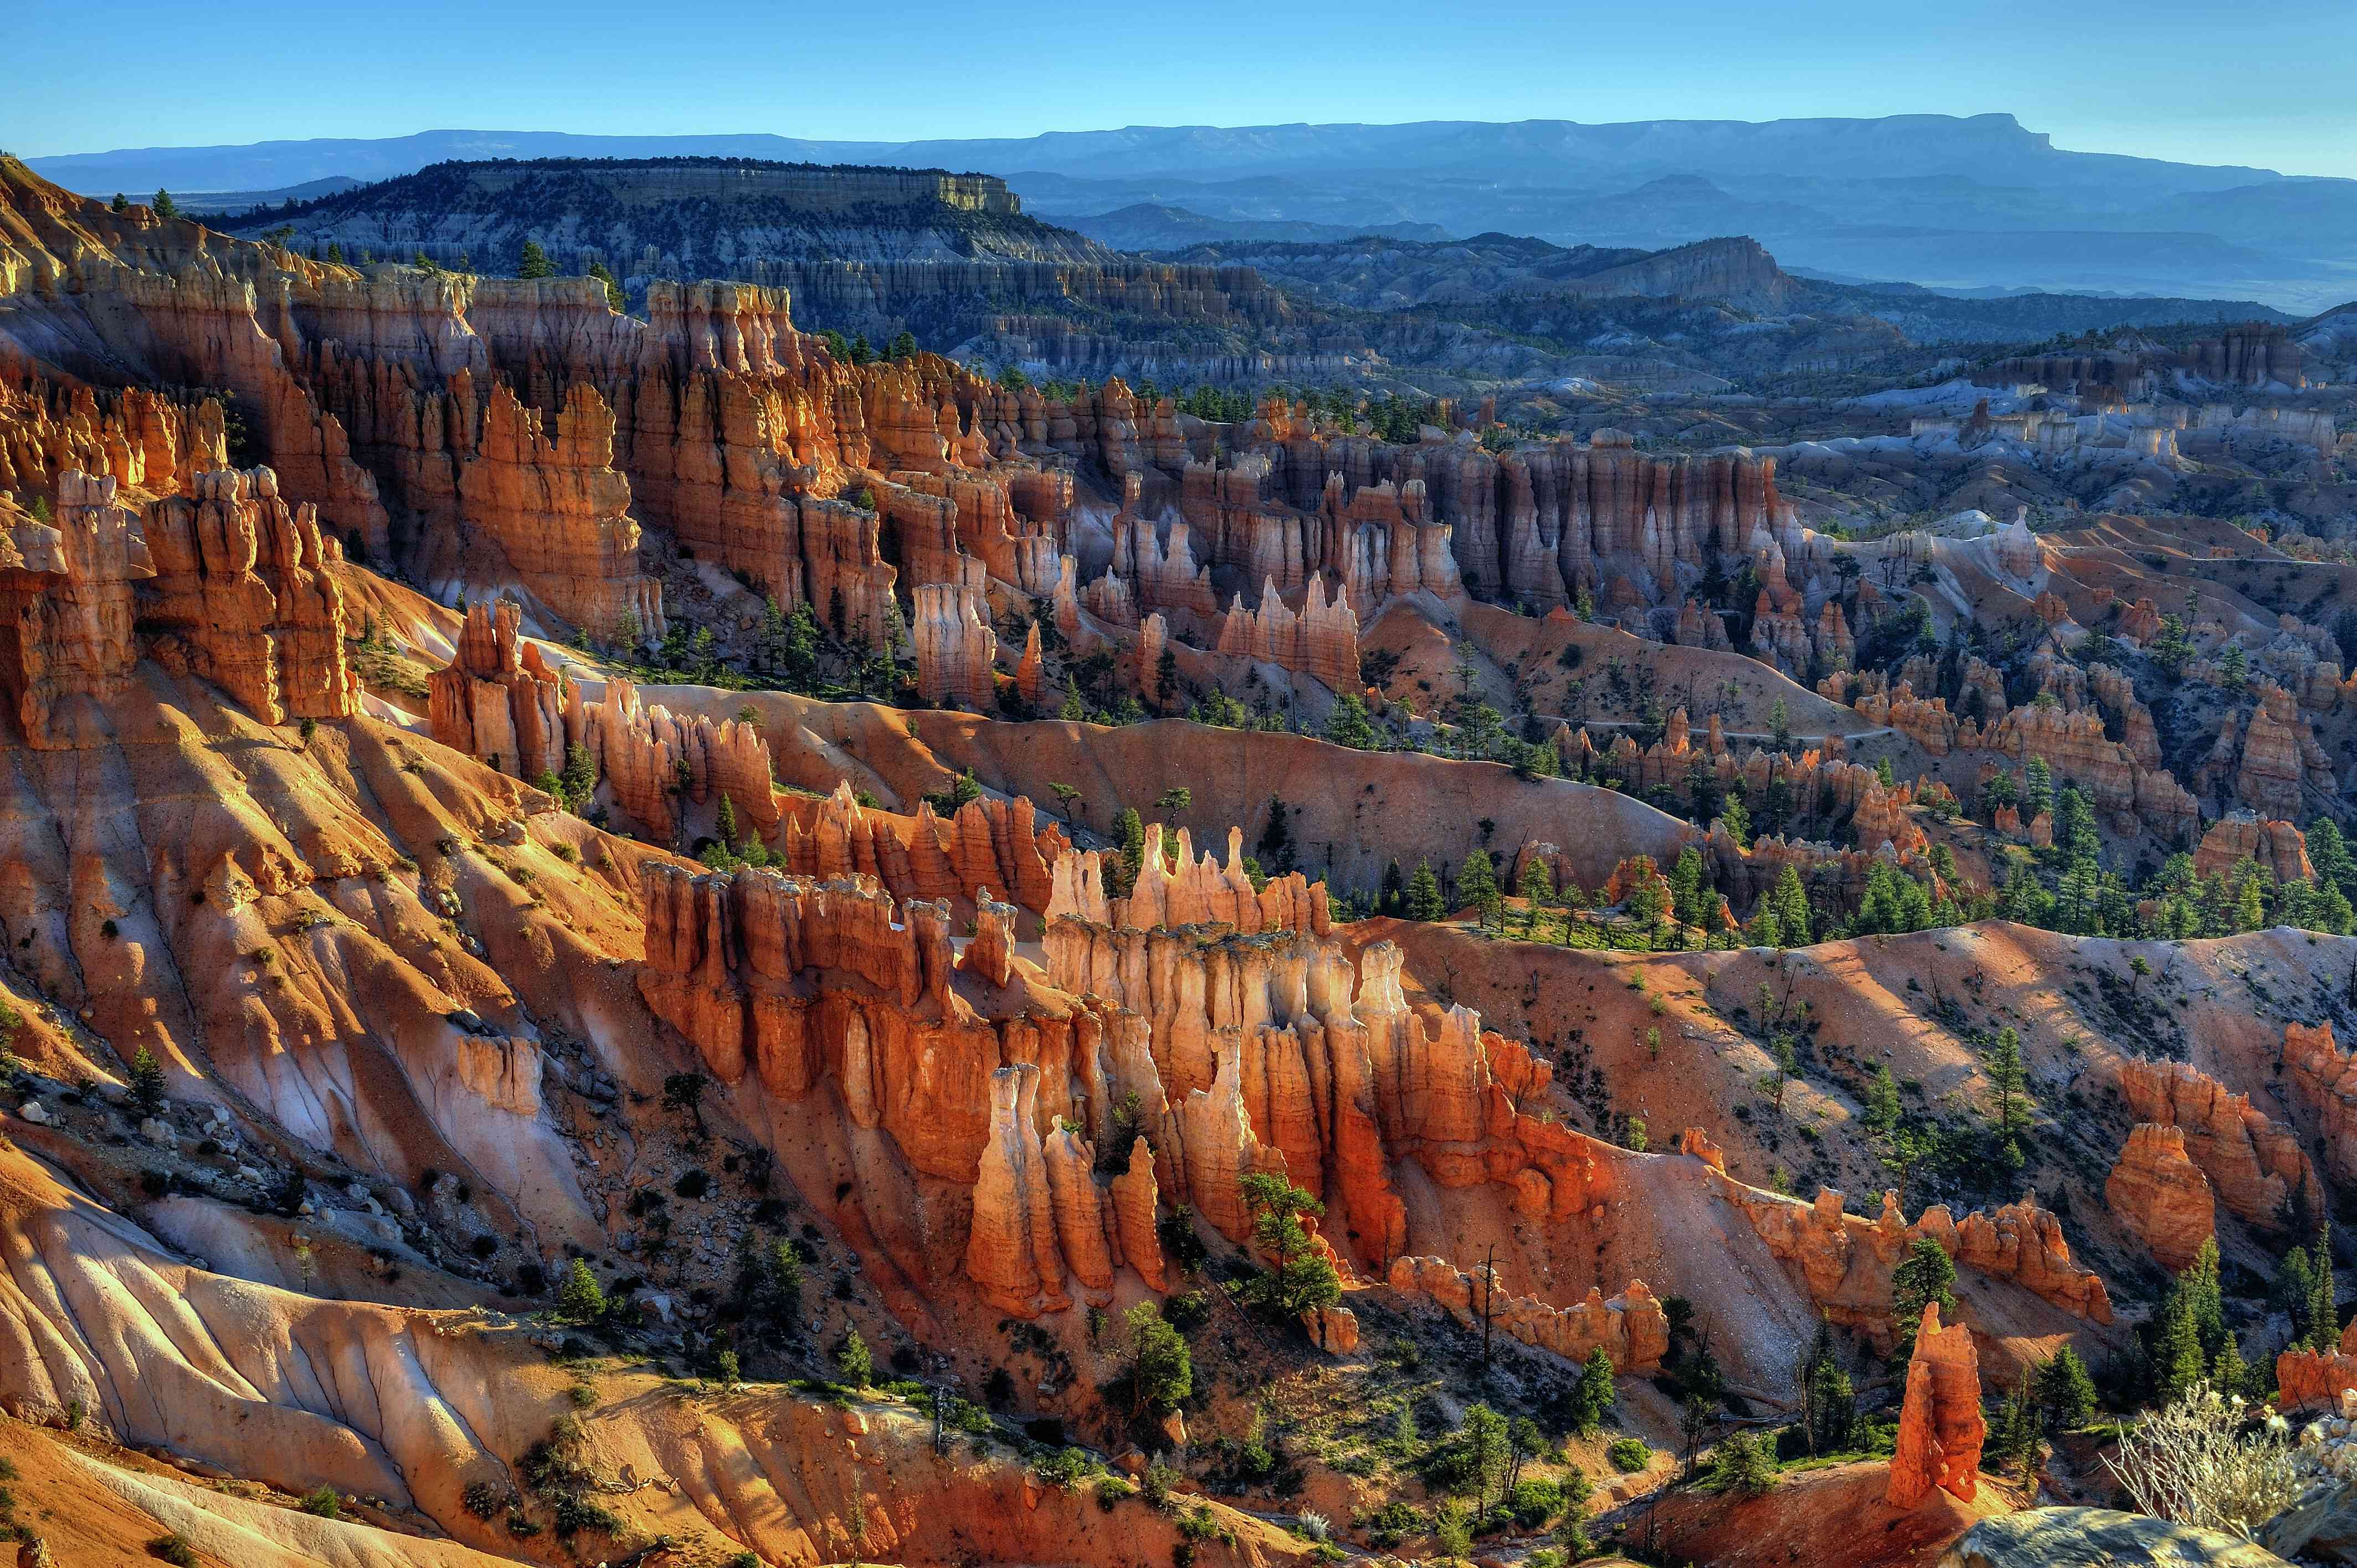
(243, 596)
(654, 762)
(1321, 641)
(2253, 1163)
(2325, 1076)
(66, 613)
(1846, 1259)
(2162, 1196)
(955, 646)
(1630, 1328)
(1940, 1423)
(559, 511)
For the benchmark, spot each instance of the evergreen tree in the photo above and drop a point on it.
(2012, 1080)
(1592, 1398)
(165, 206)
(1881, 1101)
(2293, 1292)
(1487, 1440)
(1121, 872)
(614, 296)
(1828, 1400)
(531, 262)
(1534, 888)
(902, 347)
(1348, 725)
(1790, 904)
(2065, 1391)
(1477, 884)
(1924, 1275)
(1732, 811)
(1156, 1364)
(2324, 1298)
(724, 822)
(578, 1297)
(2205, 1300)
(853, 1361)
(1686, 886)
(121, 203)
(1422, 899)
(147, 1083)
(1302, 1280)
(2176, 1358)
(2038, 788)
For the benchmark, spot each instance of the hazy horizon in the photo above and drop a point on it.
(2163, 79)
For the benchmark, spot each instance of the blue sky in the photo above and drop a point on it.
(2186, 80)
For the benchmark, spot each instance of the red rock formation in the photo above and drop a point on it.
(142, 439)
(955, 646)
(655, 764)
(1940, 1424)
(558, 510)
(2267, 759)
(1631, 1327)
(2314, 1379)
(2162, 1196)
(241, 583)
(66, 610)
(1322, 641)
(498, 699)
(2243, 835)
(2325, 1076)
(2254, 1164)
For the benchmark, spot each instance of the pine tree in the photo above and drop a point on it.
(1592, 1400)
(1477, 885)
(2176, 1345)
(121, 203)
(2065, 1391)
(1534, 888)
(532, 262)
(578, 1297)
(2205, 1299)
(1348, 725)
(165, 206)
(2012, 1083)
(1881, 1101)
(147, 1083)
(724, 822)
(1686, 886)
(2324, 1299)
(1423, 900)
(615, 298)
(1791, 903)
(1925, 1275)
(852, 1361)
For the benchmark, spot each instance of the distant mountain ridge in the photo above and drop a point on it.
(1960, 202)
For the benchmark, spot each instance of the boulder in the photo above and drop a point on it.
(2099, 1537)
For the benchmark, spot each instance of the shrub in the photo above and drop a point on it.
(582, 1395)
(174, 1550)
(1112, 1491)
(2194, 1463)
(1744, 1464)
(579, 1299)
(1394, 1522)
(1629, 1456)
(1064, 1469)
(1534, 1501)
(323, 1504)
(482, 1500)
(853, 1361)
(1314, 1526)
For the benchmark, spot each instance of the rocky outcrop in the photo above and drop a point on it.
(559, 512)
(655, 764)
(2254, 1163)
(1631, 1327)
(955, 646)
(1940, 1424)
(498, 699)
(1846, 1259)
(2279, 846)
(1321, 641)
(2162, 1196)
(2099, 1537)
(2266, 759)
(65, 611)
(146, 441)
(2325, 1077)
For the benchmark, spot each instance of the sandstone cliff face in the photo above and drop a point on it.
(2254, 1164)
(1631, 1327)
(1940, 1424)
(2245, 835)
(1846, 1259)
(66, 591)
(2325, 1077)
(2162, 1196)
